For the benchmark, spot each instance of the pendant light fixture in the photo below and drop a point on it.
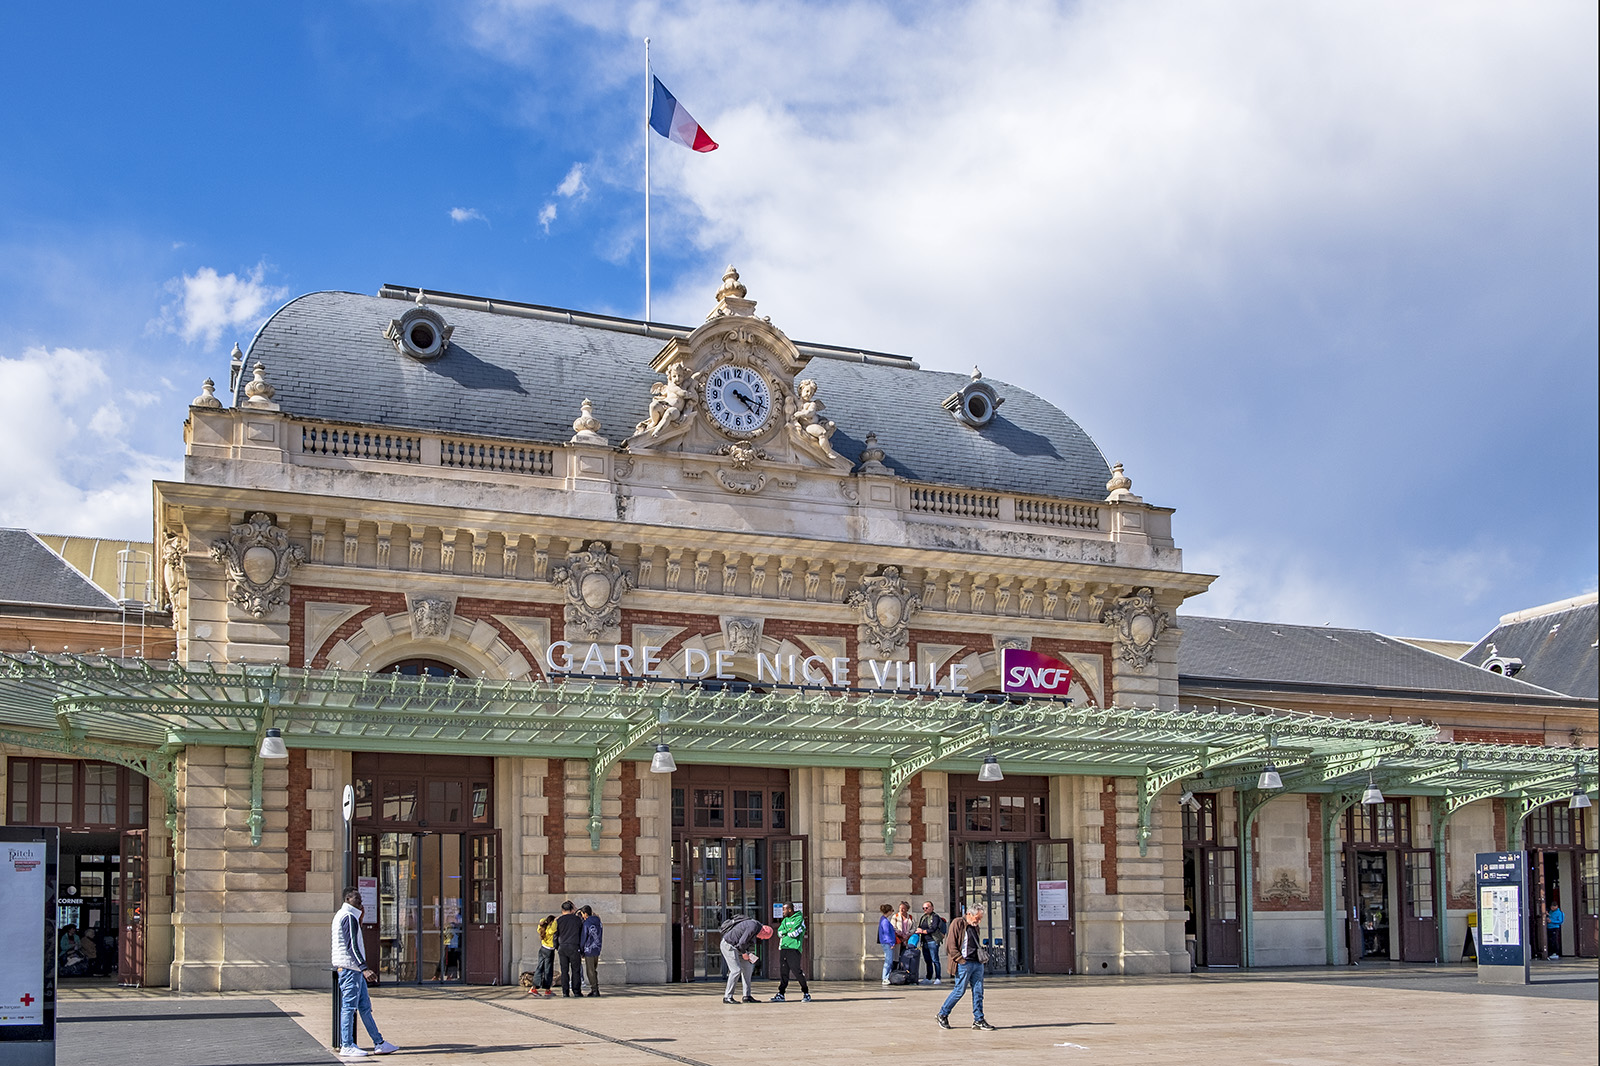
(1372, 796)
(272, 746)
(1580, 797)
(1269, 778)
(991, 770)
(662, 761)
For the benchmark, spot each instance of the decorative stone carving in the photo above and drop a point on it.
(886, 605)
(431, 616)
(742, 636)
(975, 403)
(586, 427)
(174, 575)
(595, 583)
(421, 332)
(258, 557)
(1139, 623)
(208, 395)
(1120, 488)
(259, 392)
(807, 425)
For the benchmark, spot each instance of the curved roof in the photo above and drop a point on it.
(521, 373)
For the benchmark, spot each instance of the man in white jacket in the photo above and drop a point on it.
(350, 958)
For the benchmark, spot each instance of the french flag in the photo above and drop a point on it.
(668, 118)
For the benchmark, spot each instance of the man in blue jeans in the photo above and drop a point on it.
(967, 956)
(350, 959)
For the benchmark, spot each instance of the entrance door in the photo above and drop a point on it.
(786, 881)
(131, 906)
(1372, 904)
(1588, 909)
(1223, 944)
(728, 883)
(1054, 939)
(481, 942)
(994, 873)
(1419, 933)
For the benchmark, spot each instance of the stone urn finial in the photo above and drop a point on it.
(586, 427)
(872, 457)
(1119, 482)
(208, 395)
(259, 392)
(977, 375)
(731, 296)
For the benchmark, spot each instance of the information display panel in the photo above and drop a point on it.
(1502, 883)
(28, 875)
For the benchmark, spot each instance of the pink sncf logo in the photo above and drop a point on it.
(1033, 673)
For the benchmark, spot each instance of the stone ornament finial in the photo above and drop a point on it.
(259, 392)
(586, 427)
(258, 556)
(1139, 623)
(872, 457)
(731, 296)
(208, 394)
(1120, 487)
(886, 605)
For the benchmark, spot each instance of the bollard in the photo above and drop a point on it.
(337, 999)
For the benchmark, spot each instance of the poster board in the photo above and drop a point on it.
(1502, 893)
(29, 858)
(1053, 901)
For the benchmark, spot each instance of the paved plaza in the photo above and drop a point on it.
(1429, 1016)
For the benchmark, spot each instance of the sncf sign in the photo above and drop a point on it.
(1033, 673)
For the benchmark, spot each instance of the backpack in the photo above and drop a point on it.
(727, 926)
(898, 976)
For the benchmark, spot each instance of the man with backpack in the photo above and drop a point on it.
(739, 936)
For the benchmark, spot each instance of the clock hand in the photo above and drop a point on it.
(742, 398)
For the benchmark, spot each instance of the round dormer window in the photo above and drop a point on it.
(975, 403)
(420, 333)
(977, 408)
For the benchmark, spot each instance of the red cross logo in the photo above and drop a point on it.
(27, 999)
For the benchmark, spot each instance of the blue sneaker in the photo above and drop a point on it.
(778, 998)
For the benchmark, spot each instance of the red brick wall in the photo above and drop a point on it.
(299, 820)
(852, 832)
(919, 834)
(1108, 834)
(1061, 649)
(630, 827)
(555, 826)
(1499, 808)
(1498, 736)
(389, 603)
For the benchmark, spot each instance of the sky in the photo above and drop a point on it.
(1321, 275)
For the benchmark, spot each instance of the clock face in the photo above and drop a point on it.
(738, 399)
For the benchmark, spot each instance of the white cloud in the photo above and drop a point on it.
(210, 304)
(467, 214)
(67, 473)
(547, 215)
(573, 185)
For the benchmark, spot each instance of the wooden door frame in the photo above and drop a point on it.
(467, 933)
(133, 923)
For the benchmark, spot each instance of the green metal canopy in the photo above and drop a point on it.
(141, 713)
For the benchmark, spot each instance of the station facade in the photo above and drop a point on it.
(478, 562)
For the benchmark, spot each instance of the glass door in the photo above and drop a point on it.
(708, 895)
(787, 884)
(1419, 933)
(481, 946)
(994, 874)
(130, 908)
(1224, 945)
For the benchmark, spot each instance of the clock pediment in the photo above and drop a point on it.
(736, 381)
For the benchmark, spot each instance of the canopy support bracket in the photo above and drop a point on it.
(899, 773)
(1152, 784)
(601, 763)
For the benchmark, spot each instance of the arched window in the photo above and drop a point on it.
(422, 668)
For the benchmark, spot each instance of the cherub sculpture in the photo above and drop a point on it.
(671, 402)
(808, 424)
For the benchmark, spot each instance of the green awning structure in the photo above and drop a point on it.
(140, 713)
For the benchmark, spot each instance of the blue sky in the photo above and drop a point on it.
(1323, 276)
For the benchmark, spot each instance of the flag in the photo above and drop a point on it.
(668, 118)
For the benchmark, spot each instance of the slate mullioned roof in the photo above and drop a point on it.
(33, 575)
(1266, 654)
(1557, 649)
(515, 377)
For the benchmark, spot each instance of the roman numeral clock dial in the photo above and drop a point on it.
(738, 400)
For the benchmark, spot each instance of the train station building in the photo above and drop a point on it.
(692, 622)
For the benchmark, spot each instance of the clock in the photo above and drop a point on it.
(738, 400)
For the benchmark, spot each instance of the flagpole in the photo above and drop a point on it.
(648, 97)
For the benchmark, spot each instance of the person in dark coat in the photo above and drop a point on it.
(569, 949)
(593, 936)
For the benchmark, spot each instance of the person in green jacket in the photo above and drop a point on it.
(791, 938)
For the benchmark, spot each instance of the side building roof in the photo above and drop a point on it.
(1235, 653)
(1557, 645)
(522, 372)
(32, 575)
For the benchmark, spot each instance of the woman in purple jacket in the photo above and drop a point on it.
(887, 939)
